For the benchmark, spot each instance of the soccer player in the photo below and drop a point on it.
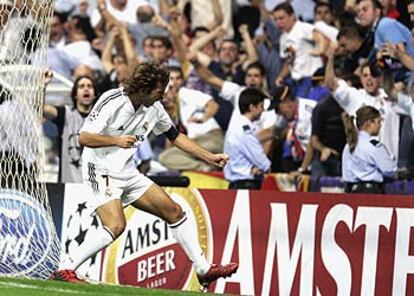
(120, 120)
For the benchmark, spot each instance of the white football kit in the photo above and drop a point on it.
(110, 172)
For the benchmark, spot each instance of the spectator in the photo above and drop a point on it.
(269, 53)
(366, 161)
(228, 67)
(382, 29)
(389, 9)
(196, 114)
(69, 120)
(410, 8)
(120, 10)
(230, 91)
(225, 67)
(145, 27)
(296, 45)
(203, 44)
(210, 14)
(162, 51)
(248, 162)
(323, 12)
(319, 89)
(57, 59)
(117, 66)
(79, 43)
(352, 46)
(297, 151)
(328, 138)
(324, 29)
(405, 101)
(58, 36)
(351, 99)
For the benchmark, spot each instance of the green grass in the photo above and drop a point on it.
(28, 287)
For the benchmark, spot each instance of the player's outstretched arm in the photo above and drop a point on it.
(96, 140)
(188, 145)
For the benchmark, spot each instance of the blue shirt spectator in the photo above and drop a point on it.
(390, 30)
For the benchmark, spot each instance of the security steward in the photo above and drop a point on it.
(366, 163)
(248, 162)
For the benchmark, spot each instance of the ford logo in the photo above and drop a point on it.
(28, 247)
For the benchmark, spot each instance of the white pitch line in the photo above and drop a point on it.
(26, 286)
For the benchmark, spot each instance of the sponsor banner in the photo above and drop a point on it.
(26, 236)
(278, 182)
(78, 224)
(285, 243)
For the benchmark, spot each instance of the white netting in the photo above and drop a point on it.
(28, 242)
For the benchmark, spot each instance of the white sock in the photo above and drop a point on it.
(101, 238)
(186, 235)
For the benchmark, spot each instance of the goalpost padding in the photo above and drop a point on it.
(28, 242)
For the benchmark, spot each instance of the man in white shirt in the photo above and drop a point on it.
(121, 10)
(196, 113)
(122, 119)
(351, 99)
(230, 91)
(296, 45)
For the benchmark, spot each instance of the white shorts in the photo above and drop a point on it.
(103, 189)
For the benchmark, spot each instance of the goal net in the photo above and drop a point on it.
(29, 245)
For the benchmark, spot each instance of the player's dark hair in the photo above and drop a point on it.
(250, 96)
(76, 86)
(145, 78)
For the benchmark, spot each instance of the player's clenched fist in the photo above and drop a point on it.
(126, 141)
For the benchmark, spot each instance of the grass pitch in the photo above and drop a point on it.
(28, 287)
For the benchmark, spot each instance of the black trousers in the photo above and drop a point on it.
(246, 184)
(365, 187)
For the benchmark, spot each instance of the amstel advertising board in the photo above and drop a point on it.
(285, 243)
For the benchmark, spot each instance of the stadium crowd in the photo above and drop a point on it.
(311, 61)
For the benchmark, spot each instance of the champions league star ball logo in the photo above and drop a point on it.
(25, 237)
(147, 254)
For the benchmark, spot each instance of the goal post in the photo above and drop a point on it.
(29, 245)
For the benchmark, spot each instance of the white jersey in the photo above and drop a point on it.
(114, 114)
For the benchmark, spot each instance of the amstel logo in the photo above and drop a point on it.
(147, 254)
